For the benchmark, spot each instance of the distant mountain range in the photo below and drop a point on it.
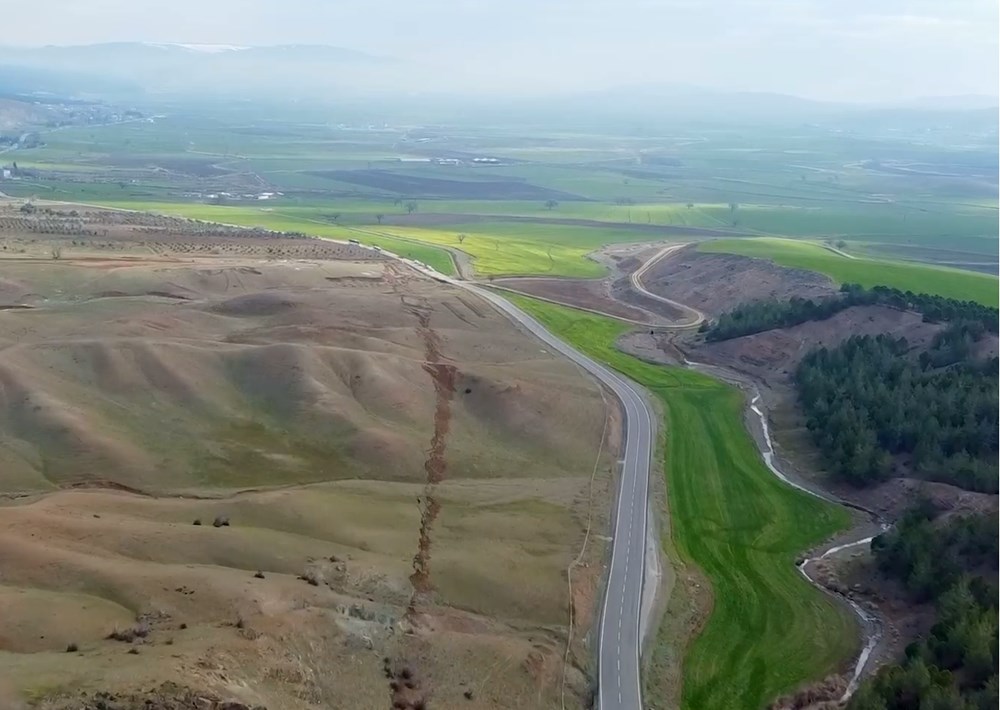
(382, 86)
(155, 68)
(110, 56)
(706, 102)
(642, 108)
(963, 102)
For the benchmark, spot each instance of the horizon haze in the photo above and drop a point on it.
(905, 50)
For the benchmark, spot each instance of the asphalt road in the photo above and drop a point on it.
(619, 639)
(620, 635)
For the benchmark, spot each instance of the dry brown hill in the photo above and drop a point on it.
(402, 474)
(717, 283)
(232, 381)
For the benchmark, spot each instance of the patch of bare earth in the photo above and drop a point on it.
(105, 238)
(623, 260)
(820, 695)
(592, 294)
(773, 355)
(892, 498)
(613, 295)
(717, 283)
(167, 696)
(243, 475)
(623, 290)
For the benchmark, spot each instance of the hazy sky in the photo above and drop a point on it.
(831, 49)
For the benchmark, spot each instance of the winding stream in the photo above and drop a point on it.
(870, 622)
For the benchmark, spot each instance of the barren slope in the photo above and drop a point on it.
(773, 355)
(717, 283)
(408, 472)
(233, 381)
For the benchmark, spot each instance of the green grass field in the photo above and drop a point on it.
(496, 248)
(958, 227)
(495, 255)
(769, 630)
(906, 276)
(511, 248)
(802, 183)
(355, 210)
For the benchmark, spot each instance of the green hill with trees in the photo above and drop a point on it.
(952, 564)
(874, 406)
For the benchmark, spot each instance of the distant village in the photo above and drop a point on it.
(25, 119)
(451, 161)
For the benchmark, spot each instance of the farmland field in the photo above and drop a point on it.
(960, 227)
(506, 248)
(280, 221)
(769, 630)
(498, 254)
(362, 210)
(496, 248)
(941, 281)
(934, 204)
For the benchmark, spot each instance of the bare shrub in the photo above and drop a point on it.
(139, 631)
(313, 576)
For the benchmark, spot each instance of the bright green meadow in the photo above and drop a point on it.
(769, 629)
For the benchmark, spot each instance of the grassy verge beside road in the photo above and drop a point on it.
(769, 630)
(919, 278)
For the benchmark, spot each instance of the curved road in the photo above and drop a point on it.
(619, 639)
(636, 278)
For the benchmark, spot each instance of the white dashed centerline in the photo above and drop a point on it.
(624, 581)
